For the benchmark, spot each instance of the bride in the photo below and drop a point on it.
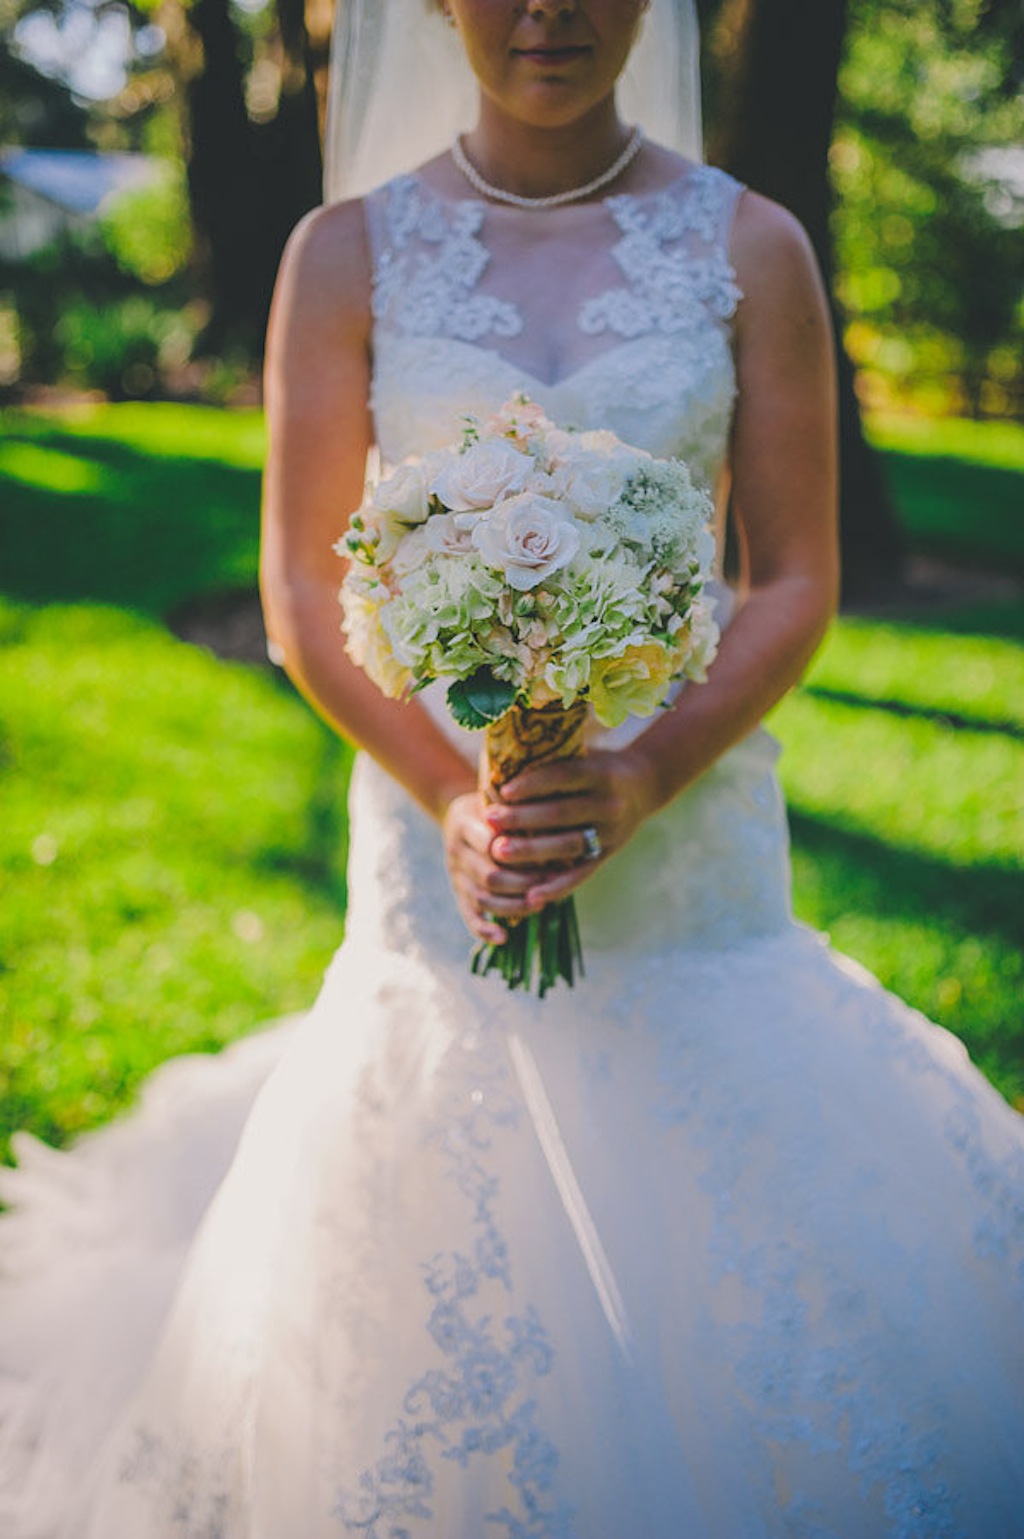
(723, 1243)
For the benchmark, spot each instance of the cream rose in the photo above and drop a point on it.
(526, 538)
(411, 550)
(590, 486)
(633, 684)
(486, 473)
(369, 645)
(399, 503)
(450, 534)
(404, 495)
(697, 642)
(601, 441)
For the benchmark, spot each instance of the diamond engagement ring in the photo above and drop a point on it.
(591, 844)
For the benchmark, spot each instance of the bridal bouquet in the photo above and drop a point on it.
(542, 572)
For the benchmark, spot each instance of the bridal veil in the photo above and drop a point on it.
(400, 88)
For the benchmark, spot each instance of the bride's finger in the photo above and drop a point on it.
(502, 906)
(562, 777)
(482, 925)
(563, 848)
(558, 885)
(485, 875)
(545, 817)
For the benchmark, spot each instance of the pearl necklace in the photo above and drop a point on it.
(555, 199)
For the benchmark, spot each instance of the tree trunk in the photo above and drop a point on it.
(249, 182)
(774, 100)
(224, 177)
(297, 157)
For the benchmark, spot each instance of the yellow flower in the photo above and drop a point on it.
(633, 684)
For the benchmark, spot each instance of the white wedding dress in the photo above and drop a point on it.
(726, 1243)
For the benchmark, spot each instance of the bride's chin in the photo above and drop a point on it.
(549, 105)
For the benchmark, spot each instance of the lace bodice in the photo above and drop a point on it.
(470, 305)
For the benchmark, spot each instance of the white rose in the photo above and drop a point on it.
(404, 495)
(526, 538)
(698, 642)
(449, 533)
(368, 643)
(411, 550)
(590, 485)
(487, 472)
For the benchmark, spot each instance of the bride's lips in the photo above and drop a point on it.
(552, 56)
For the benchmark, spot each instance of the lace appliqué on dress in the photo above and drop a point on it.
(430, 291)
(477, 1403)
(672, 282)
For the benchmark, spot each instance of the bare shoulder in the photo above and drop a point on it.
(772, 253)
(785, 310)
(326, 273)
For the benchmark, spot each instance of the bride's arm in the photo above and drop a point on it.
(784, 501)
(317, 399)
(317, 391)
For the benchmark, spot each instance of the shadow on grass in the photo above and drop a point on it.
(973, 915)
(905, 884)
(933, 494)
(1000, 620)
(958, 721)
(93, 519)
(1003, 621)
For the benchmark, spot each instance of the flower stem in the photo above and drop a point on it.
(544, 946)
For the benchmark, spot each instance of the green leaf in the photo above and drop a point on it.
(479, 699)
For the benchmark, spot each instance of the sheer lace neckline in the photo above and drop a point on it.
(616, 313)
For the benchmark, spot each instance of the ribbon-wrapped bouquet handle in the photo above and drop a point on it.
(546, 945)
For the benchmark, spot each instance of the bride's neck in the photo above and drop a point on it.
(535, 162)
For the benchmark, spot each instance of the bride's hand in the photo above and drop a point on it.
(486, 892)
(545, 821)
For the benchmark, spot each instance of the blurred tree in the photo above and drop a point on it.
(225, 88)
(35, 111)
(253, 153)
(930, 237)
(147, 230)
(223, 176)
(775, 68)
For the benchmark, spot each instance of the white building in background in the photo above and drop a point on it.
(48, 193)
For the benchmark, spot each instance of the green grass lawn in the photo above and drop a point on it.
(134, 505)
(959, 487)
(904, 770)
(172, 841)
(172, 827)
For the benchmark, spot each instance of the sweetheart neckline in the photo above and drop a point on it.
(493, 356)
